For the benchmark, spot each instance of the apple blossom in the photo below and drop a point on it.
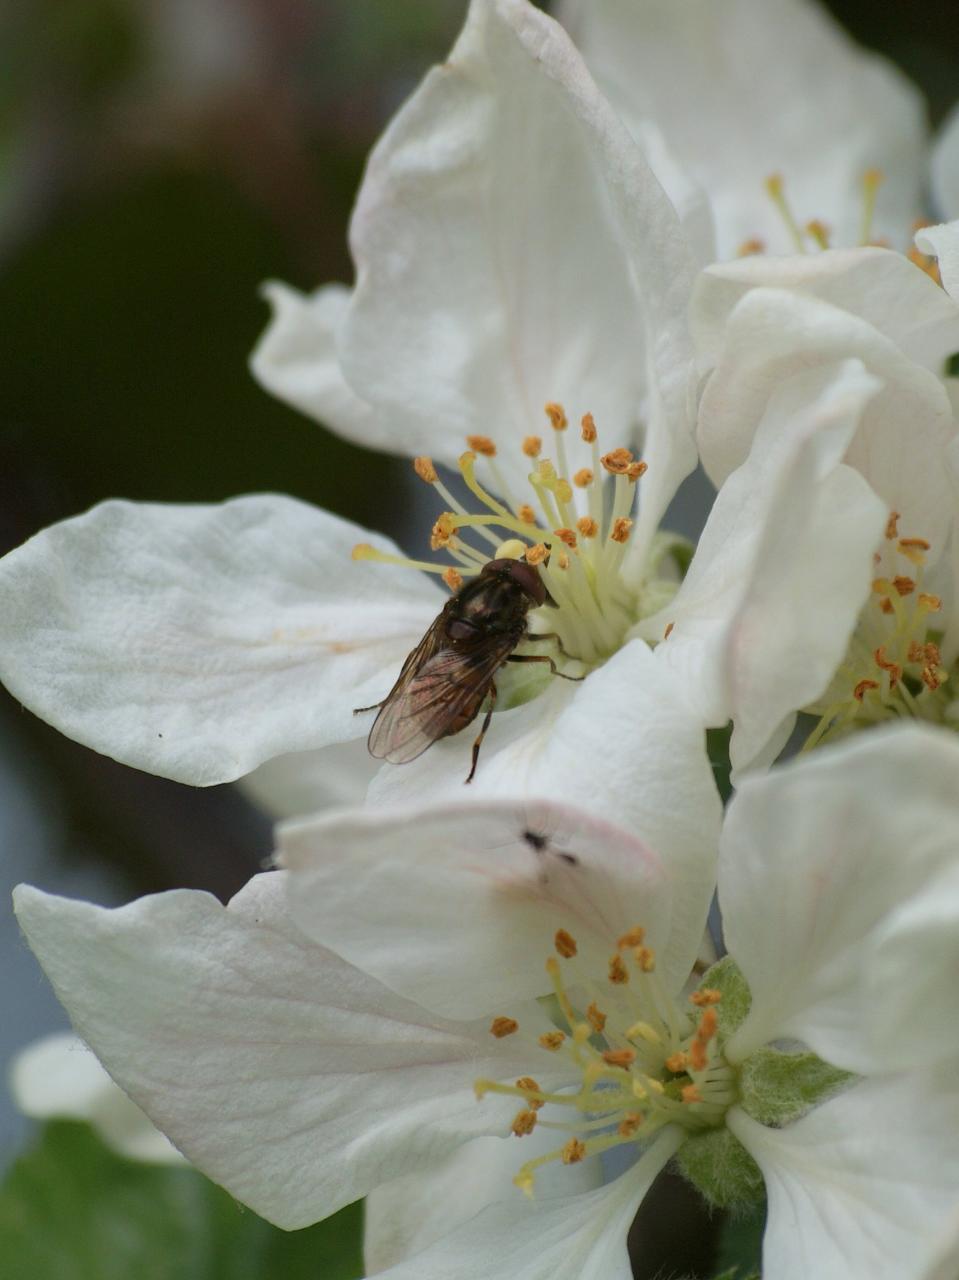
(515, 254)
(819, 111)
(302, 1077)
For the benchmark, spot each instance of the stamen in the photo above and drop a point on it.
(871, 182)
(552, 1040)
(528, 1085)
(905, 586)
(537, 554)
(619, 1057)
(634, 937)
(620, 529)
(776, 192)
(363, 551)
(526, 514)
(567, 536)
(483, 445)
(618, 974)
(892, 525)
(574, 1151)
(690, 1093)
(588, 428)
(636, 469)
(425, 470)
(583, 478)
(749, 248)
(565, 944)
(617, 461)
(557, 415)
(819, 232)
(596, 1018)
(587, 526)
(502, 1027)
(706, 996)
(453, 579)
(863, 687)
(524, 1122)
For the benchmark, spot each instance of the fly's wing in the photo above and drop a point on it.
(430, 695)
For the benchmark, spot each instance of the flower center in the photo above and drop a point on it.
(574, 528)
(893, 666)
(643, 1061)
(815, 235)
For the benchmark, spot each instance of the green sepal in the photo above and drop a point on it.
(777, 1088)
(721, 1169)
(726, 976)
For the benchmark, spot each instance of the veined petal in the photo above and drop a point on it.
(829, 868)
(296, 360)
(575, 1238)
(624, 747)
(513, 247)
(402, 1218)
(58, 1077)
(291, 1078)
(684, 66)
(198, 641)
(456, 906)
(878, 286)
(943, 243)
(773, 334)
(945, 167)
(859, 1187)
(783, 567)
(302, 782)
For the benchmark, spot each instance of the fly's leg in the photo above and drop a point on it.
(357, 711)
(536, 657)
(552, 635)
(482, 733)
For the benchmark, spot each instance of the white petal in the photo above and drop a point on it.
(877, 285)
(945, 167)
(296, 359)
(196, 642)
(783, 567)
(945, 1261)
(858, 1187)
(406, 1216)
(308, 781)
(453, 905)
(58, 1077)
(577, 1238)
(943, 243)
(830, 866)
(513, 247)
(291, 1078)
(773, 334)
(623, 746)
(687, 66)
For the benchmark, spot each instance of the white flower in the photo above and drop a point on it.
(301, 1078)
(819, 111)
(514, 251)
(849, 608)
(57, 1077)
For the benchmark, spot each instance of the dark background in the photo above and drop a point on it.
(158, 160)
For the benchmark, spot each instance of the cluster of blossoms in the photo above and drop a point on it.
(571, 289)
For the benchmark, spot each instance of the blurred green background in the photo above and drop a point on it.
(158, 160)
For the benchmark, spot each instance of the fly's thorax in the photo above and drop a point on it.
(893, 666)
(572, 529)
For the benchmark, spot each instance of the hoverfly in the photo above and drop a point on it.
(451, 672)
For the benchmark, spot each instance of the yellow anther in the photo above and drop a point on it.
(563, 490)
(525, 1182)
(452, 578)
(566, 535)
(581, 1032)
(931, 679)
(819, 232)
(425, 470)
(524, 1122)
(634, 937)
(363, 551)
(483, 445)
(443, 531)
(930, 652)
(620, 529)
(639, 1090)
(690, 1093)
(583, 478)
(645, 957)
(562, 560)
(706, 996)
(588, 428)
(629, 1124)
(893, 669)
(574, 1151)
(892, 525)
(537, 554)
(529, 1085)
(502, 1026)
(565, 944)
(676, 1062)
(619, 1057)
(617, 461)
(905, 586)
(596, 1018)
(552, 1040)
(545, 473)
(533, 446)
(750, 247)
(643, 1031)
(557, 415)
(587, 526)
(932, 603)
(636, 469)
(526, 513)
(618, 973)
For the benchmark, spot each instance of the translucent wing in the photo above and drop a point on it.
(433, 693)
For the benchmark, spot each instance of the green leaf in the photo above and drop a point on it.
(72, 1210)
